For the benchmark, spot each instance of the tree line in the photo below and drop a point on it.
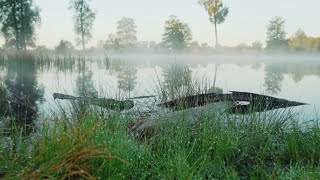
(20, 18)
(277, 40)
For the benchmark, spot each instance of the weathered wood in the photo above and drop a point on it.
(257, 102)
(111, 104)
(260, 103)
(146, 128)
(142, 129)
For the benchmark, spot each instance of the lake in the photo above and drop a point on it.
(290, 77)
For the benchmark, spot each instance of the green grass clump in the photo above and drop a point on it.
(87, 149)
(264, 146)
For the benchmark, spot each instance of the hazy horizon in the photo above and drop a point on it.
(245, 23)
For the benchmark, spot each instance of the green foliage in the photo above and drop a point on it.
(217, 13)
(257, 45)
(100, 44)
(41, 49)
(297, 41)
(19, 19)
(177, 35)
(242, 47)
(113, 43)
(301, 42)
(64, 47)
(276, 35)
(220, 14)
(194, 46)
(84, 150)
(83, 21)
(126, 35)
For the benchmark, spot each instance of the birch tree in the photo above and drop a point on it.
(83, 21)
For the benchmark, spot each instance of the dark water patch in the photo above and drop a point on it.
(23, 92)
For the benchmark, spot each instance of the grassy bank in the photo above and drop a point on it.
(219, 146)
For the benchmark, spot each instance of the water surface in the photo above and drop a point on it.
(294, 78)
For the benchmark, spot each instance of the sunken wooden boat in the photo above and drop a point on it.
(243, 102)
(107, 103)
(196, 105)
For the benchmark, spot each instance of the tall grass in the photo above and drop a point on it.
(216, 146)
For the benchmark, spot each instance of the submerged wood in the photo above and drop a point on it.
(193, 104)
(256, 102)
(110, 104)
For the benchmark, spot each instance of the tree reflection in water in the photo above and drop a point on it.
(273, 79)
(84, 83)
(84, 88)
(127, 79)
(177, 82)
(4, 102)
(23, 90)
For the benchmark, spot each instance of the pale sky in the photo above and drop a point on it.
(245, 23)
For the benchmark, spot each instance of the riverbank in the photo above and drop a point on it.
(219, 146)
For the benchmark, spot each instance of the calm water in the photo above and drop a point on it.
(291, 77)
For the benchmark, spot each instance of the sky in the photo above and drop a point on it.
(245, 23)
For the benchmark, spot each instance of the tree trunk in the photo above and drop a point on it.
(216, 30)
(82, 28)
(83, 46)
(215, 76)
(16, 29)
(22, 31)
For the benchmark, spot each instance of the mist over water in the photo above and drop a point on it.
(295, 78)
(32, 82)
(184, 89)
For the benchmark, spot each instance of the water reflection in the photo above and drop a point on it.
(23, 89)
(127, 77)
(84, 83)
(274, 74)
(296, 76)
(4, 102)
(256, 66)
(208, 88)
(110, 64)
(65, 63)
(177, 81)
(273, 79)
(298, 71)
(84, 87)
